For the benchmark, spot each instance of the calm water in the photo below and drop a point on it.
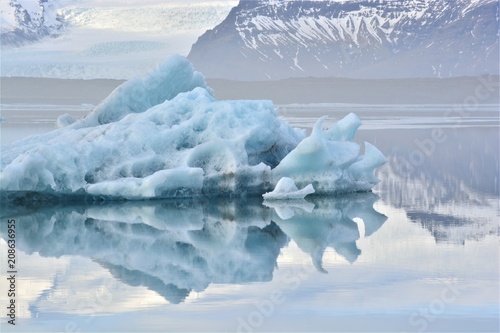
(420, 253)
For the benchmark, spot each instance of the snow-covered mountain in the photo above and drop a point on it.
(274, 39)
(27, 21)
(100, 38)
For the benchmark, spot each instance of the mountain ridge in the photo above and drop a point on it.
(275, 39)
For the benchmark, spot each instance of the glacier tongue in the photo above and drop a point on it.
(165, 135)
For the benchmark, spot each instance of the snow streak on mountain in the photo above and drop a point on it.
(274, 39)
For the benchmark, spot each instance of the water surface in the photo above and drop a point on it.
(420, 253)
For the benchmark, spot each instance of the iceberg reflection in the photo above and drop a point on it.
(329, 224)
(175, 247)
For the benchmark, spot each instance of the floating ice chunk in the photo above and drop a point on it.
(180, 183)
(188, 146)
(345, 129)
(331, 165)
(362, 170)
(169, 79)
(287, 190)
(165, 135)
(172, 77)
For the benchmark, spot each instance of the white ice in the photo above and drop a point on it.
(165, 135)
(286, 189)
(329, 161)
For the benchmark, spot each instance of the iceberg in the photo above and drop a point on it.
(330, 161)
(166, 136)
(286, 189)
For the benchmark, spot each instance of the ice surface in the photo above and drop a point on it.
(286, 189)
(165, 135)
(331, 162)
(174, 76)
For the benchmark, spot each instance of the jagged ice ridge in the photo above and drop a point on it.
(165, 135)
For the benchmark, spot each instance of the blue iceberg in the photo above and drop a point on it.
(287, 190)
(166, 135)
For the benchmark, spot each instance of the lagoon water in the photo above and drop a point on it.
(419, 254)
